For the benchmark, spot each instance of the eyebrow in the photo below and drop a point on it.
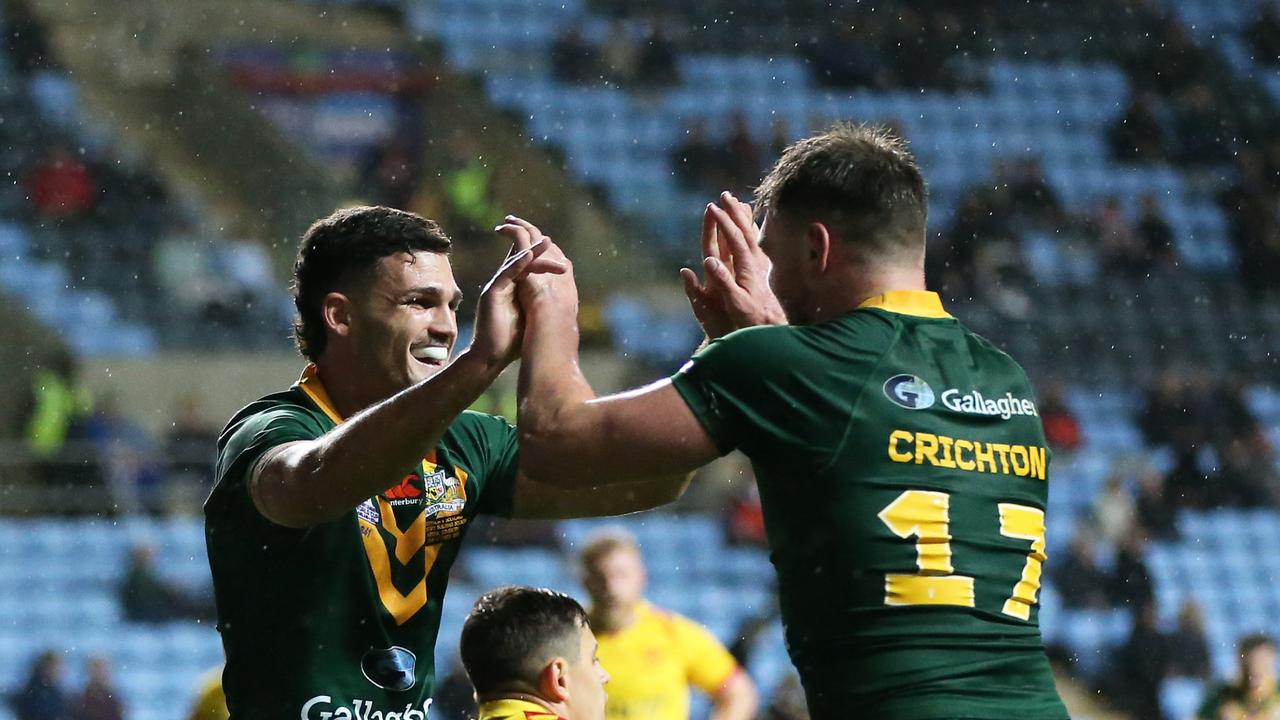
(432, 291)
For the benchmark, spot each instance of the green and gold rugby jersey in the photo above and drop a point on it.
(903, 474)
(340, 620)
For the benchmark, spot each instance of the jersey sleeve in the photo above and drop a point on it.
(708, 664)
(255, 435)
(754, 388)
(490, 445)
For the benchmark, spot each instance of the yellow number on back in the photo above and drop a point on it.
(925, 515)
(1024, 523)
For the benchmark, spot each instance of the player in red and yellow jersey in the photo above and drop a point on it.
(654, 656)
(531, 655)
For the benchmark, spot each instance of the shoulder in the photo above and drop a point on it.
(288, 408)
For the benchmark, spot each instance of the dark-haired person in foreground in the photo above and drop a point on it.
(531, 655)
(901, 462)
(341, 502)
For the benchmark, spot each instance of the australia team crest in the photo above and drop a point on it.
(443, 494)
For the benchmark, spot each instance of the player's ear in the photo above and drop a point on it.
(817, 239)
(553, 681)
(336, 311)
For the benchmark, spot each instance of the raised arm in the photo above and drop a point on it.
(300, 484)
(571, 438)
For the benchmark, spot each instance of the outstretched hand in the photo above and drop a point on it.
(499, 321)
(735, 293)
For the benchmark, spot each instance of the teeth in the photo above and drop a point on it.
(430, 352)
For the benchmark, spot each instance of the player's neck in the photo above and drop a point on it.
(845, 292)
(560, 709)
(614, 618)
(348, 395)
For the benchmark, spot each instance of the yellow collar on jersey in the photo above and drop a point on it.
(311, 385)
(921, 303)
(515, 709)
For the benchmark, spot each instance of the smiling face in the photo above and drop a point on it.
(404, 320)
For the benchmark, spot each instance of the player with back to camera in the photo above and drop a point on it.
(341, 503)
(902, 466)
(531, 655)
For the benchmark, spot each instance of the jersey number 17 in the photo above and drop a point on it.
(926, 516)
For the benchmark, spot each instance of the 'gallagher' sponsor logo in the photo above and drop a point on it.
(320, 708)
(974, 403)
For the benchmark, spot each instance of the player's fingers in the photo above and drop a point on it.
(519, 236)
(744, 216)
(711, 246)
(534, 233)
(719, 278)
(693, 288)
(730, 234)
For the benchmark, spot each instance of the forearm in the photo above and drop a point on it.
(737, 701)
(553, 392)
(372, 450)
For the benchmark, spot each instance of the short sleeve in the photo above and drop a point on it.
(247, 440)
(490, 449)
(708, 665)
(757, 389)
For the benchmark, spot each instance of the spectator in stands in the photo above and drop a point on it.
(1252, 207)
(1155, 509)
(1187, 646)
(654, 656)
(1253, 695)
(391, 172)
(99, 700)
(1202, 137)
(741, 155)
(1247, 476)
(1155, 235)
(1061, 428)
(192, 442)
(1166, 418)
(1131, 580)
(42, 697)
(1138, 136)
(573, 59)
(61, 187)
(1113, 509)
(147, 597)
(1031, 198)
(53, 418)
(620, 54)
(657, 64)
(1120, 250)
(744, 517)
(846, 52)
(698, 163)
(779, 137)
(132, 464)
(1082, 583)
(1263, 35)
(25, 42)
(1139, 666)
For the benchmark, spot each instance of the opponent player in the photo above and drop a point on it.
(340, 503)
(531, 655)
(901, 462)
(654, 655)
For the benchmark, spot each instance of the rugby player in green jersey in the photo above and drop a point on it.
(340, 502)
(901, 462)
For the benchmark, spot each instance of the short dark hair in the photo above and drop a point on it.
(1252, 642)
(859, 179)
(513, 631)
(345, 247)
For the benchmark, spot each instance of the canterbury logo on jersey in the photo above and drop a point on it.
(405, 492)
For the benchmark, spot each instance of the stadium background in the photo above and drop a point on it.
(1104, 205)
